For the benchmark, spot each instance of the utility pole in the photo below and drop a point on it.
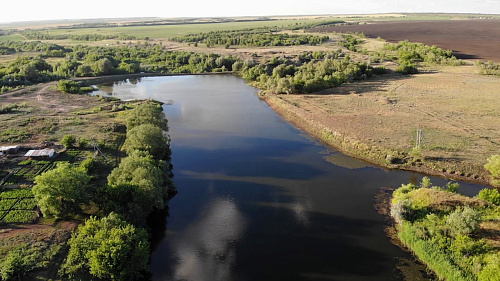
(420, 140)
(97, 150)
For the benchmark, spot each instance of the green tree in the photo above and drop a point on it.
(129, 201)
(103, 67)
(493, 166)
(108, 248)
(148, 138)
(59, 192)
(68, 141)
(141, 170)
(149, 112)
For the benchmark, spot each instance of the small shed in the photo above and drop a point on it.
(41, 153)
(9, 149)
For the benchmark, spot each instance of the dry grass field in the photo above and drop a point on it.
(457, 110)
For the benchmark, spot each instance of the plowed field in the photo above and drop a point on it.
(469, 39)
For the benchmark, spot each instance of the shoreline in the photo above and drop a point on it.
(353, 147)
(108, 78)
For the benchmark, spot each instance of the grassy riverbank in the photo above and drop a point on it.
(376, 120)
(456, 236)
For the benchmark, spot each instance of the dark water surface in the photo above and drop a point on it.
(259, 199)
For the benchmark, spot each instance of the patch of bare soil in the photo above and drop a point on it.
(46, 98)
(469, 39)
(36, 230)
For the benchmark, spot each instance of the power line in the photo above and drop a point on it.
(420, 140)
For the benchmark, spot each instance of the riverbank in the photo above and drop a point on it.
(454, 235)
(377, 120)
(111, 78)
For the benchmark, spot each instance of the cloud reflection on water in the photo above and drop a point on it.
(206, 249)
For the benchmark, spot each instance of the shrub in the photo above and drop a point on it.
(426, 182)
(70, 87)
(452, 186)
(68, 141)
(490, 195)
(407, 67)
(493, 166)
(402, 211)
(463, 221)
(491, 269)
(380, 70)
(83, 142)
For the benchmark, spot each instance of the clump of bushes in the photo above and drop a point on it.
(72, 87)
(488, 68)
(444, 229)
(8, 108)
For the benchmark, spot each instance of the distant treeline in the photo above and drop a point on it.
(251, 37)
(39, 35)
(309, 72)
(156, 22)
(88, 61)
(305, 73)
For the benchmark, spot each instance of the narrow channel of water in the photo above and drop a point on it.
(259, 199)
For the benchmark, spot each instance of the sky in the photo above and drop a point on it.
(28, 10)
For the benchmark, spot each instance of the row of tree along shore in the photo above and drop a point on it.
(114, 242)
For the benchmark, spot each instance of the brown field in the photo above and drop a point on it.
(469, 39)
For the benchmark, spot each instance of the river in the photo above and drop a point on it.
(259, 199)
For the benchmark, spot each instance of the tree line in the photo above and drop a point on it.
(258, 37)
(40, 35)
(89, 61)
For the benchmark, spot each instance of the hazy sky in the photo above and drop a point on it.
(63, 9)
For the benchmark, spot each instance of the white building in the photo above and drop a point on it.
(49, 153)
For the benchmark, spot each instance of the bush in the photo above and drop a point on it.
(490, 195)
(402, 211)
(83, 142)
(493, 166)
(426, 182)
(70, 87)
(407, 67)
(380, 70)
(68, 141)
(463, 221)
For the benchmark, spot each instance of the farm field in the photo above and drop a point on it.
(166, 31)
(469, 39)
(17, 202)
